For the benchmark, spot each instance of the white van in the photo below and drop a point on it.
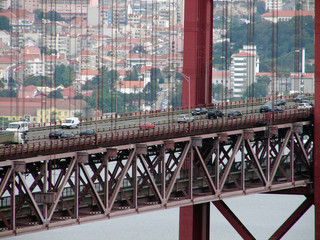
(71, 123)
(18, 127)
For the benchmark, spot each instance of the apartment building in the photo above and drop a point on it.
(273, 5)
(88, 60)
(243, 70)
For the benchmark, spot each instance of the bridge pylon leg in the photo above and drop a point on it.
(195, 222)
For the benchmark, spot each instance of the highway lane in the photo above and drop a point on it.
(124, 123)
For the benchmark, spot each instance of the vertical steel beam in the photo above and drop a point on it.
(195, 222)
(13, 202)
(197, 60)
(317, 120)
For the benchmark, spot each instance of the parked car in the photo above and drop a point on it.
(299, 98)
(88, 132)
(146, 126)
(55, 134)
(67, 135)
(199, 111)
(303, 106)
(183, 118)
(215, 114)
(235, 113)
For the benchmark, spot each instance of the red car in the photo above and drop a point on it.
(146, 125)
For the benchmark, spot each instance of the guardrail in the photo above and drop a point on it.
(157, 113)
(130, 136)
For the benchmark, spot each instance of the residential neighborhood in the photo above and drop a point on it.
(56, 59)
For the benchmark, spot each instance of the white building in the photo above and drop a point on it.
(243, 70)
(274, 5)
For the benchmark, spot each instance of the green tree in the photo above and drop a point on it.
(54, 16)
(8, 93)
(131, 76)
(38, 81)
(11, 83)
(258, 89)
(156, 75)
(63, 75)
(4, 23)
(2, 83)
(261, 7)
(38, 14)
(218, 91)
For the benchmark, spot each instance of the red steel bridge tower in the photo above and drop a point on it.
(194, 220)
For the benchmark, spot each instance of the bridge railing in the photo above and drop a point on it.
(128, 136)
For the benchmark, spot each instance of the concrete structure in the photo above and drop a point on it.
(243, 70)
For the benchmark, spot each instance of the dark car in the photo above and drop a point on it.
(300, 98)
(215, 114)
(233, 114)
(55, 134)
(67, 135)
(268, 108)
(265, 108)
(199, 111)
(88, 132)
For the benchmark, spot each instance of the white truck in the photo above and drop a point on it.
(10, 137)
(71, 123)
(18, 127)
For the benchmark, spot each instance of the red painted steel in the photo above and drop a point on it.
(194, 222)
(110, 139)
(293, 219)
(159, 181)
(197, 63)
(233, 220)
(317, 120)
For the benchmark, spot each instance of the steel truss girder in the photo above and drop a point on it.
(43, 193)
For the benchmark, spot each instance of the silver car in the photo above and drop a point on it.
(183, 118)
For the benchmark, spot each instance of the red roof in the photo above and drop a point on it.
(130, 84)
(244, 54)
(68, 92)
(89, 72)
(288, 13)
(220, 74)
